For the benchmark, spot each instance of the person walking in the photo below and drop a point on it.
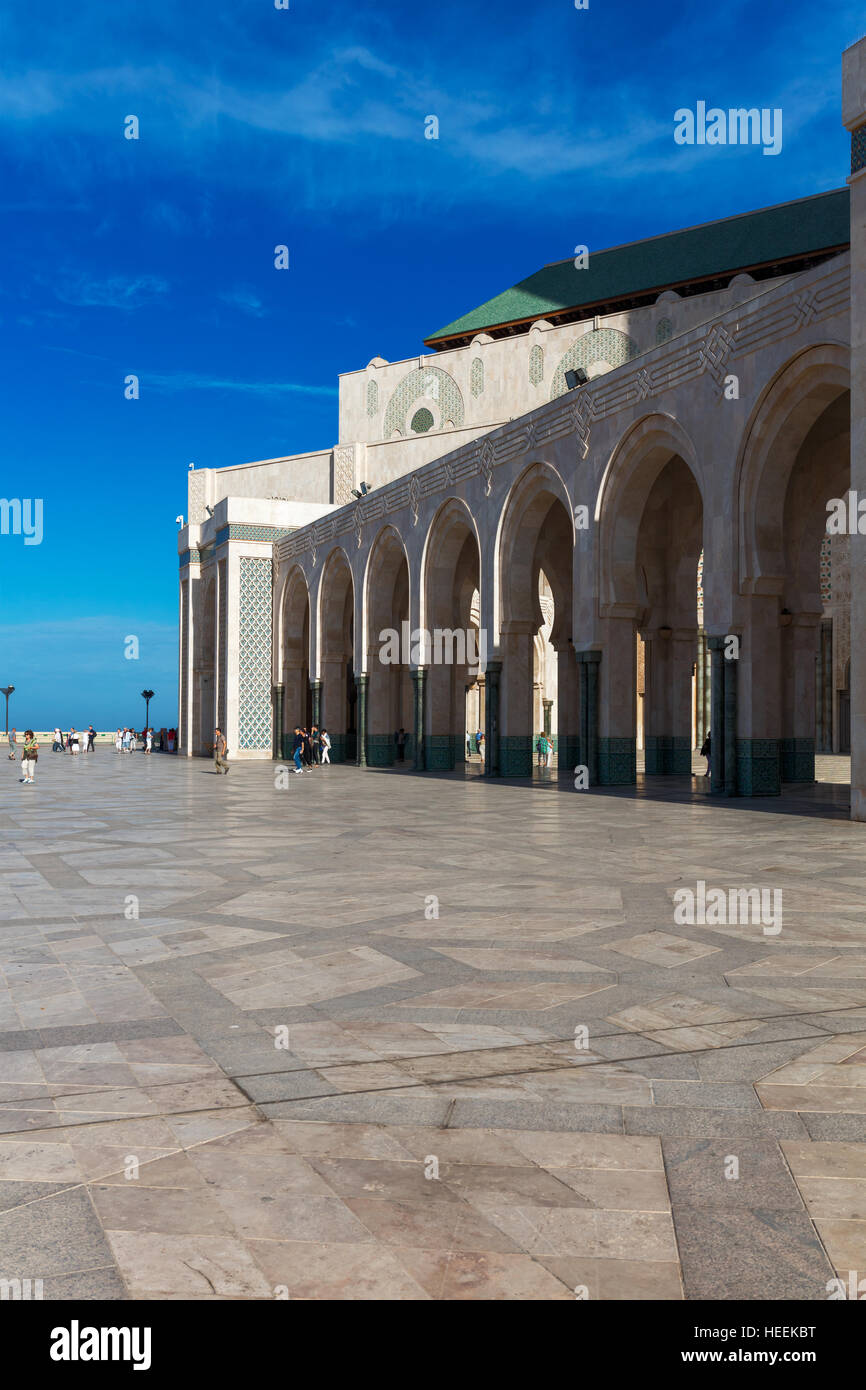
(400, 740)
(298, 750)
(74, 745)
(549, 741)
(124, 740)
(541, 749)
(706, 749)
(29, 757)
(118, 740)
(219, 752)
(314, 745)
(480, 741)
(325, 744)
(57, 746)
(478, 737)
(91, 735)
(13, 739)
(148, 740)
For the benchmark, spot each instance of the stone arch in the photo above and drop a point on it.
(609, 346)
(450, 582)
(535, 538)
(789, 408)
(649, 518)
(336, 633)
(386, 609)
(428, 386)
(794, 458)
(625, 488)
(295, 654)
(204, 665)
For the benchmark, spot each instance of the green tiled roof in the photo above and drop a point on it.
(789, 230)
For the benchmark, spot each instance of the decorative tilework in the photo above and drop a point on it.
(372, 398)
(196, 480)
(190, 557)
(254, 684)
(668, 755)
(515, 755)
(476, 376)
(241, 531)
(430, 383)
(442, 750)
(601, 345)
(381, 750)
(344, 473)
(222, 639)
(797, 759)
(617, 762)
(536, 364)
(664, 330)
(422, 421)
(758, 767)
(858, 149)
(568, 751)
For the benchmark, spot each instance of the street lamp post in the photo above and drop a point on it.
(7, 691)
(147, 696)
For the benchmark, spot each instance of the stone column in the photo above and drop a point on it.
(361, 682)
(316, 701)
(419, 701)
(492, 676)
(854, 119)
(797, 744)
(731, 780)
(278, 721)
(588, 664)
(717, 714)
(516, 700)
(617, 715)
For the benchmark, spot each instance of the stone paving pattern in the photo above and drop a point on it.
(243, 1091)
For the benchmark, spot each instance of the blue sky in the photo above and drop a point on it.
(305, 127)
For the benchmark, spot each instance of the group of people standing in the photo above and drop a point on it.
(73, 742)
(311, 748)
(475, 741)
(544, 749)
(126, 740)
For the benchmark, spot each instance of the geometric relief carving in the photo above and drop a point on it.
(344, 472)
(431, 383)
(196, 480)
(603, 345)
(254, 632)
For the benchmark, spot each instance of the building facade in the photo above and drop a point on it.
(624, 558)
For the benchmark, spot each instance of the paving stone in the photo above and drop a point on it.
(750, 1254)
(729, 1174)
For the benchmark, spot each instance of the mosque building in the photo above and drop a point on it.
(607, 490)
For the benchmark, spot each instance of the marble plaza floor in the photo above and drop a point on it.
(378, 1036)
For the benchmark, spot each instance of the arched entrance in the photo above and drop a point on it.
(336, 634)
(297, 701)
(389, 696)
(536, 555)
(450, 613)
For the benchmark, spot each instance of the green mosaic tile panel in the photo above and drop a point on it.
(515, 755)
(858, 149)
(381, 750)
(667, 755)
(617, 762)
(190, 557)
(797, 759)
(758, 767)
(441, 751)
(425, 382)
(372, 398)
(602, 345)
(476, 376)
(243, 532)
(254, 656)
(536, 364)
